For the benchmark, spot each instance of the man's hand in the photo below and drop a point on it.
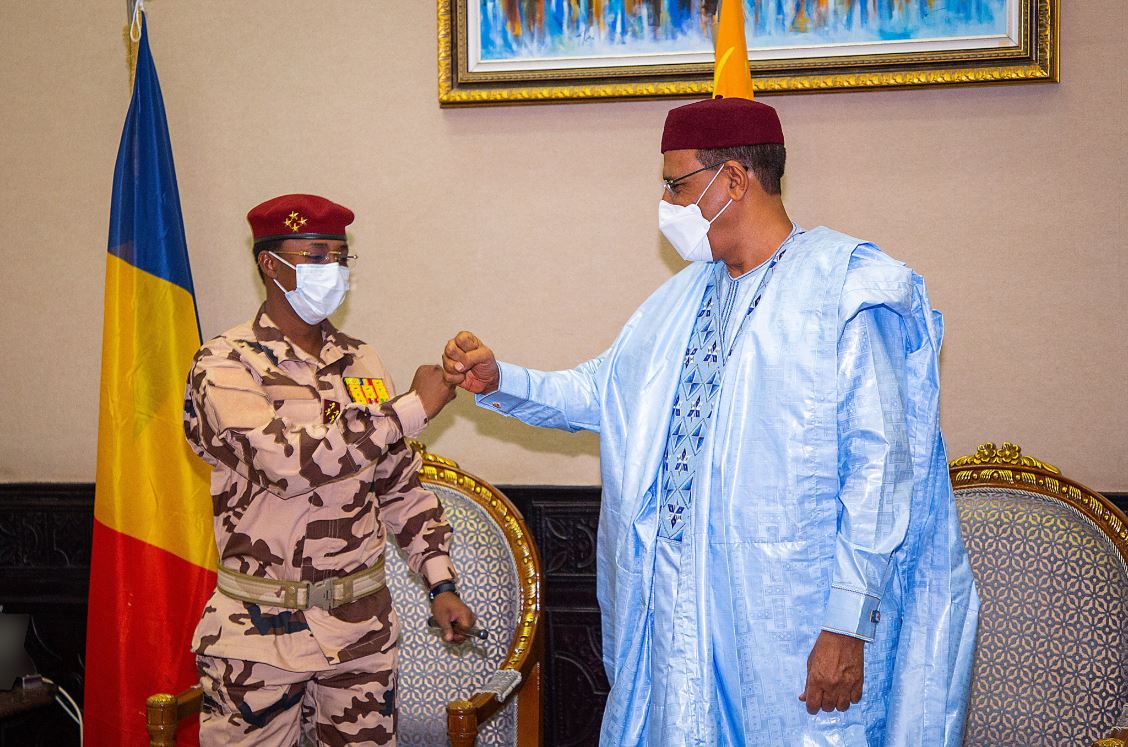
(835, 670)
(433, 392)
(448, 608)
(468, 363)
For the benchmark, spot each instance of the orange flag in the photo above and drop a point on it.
(731, 78)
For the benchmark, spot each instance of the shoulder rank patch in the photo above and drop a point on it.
(330, 411)
(367, 391)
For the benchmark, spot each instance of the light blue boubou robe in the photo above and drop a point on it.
(759, 550)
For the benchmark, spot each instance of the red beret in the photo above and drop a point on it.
(721, 123)
(299, 217)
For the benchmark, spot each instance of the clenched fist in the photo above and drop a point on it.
(447, 609)
(433, 391)
(835, 673)
(468, 363)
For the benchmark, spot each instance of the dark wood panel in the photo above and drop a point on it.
(45, 532)
(564, 523)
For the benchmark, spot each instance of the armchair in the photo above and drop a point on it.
(479, 693)
(1050, 561)
(490, 690)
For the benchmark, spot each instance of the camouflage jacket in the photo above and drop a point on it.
(310, 472)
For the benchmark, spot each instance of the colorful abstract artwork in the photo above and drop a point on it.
(518, 51)
(579, 32)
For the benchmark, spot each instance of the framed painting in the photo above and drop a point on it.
(528, 51)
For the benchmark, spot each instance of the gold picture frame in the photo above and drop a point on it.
(1028, 52)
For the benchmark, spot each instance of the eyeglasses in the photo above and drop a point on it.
(323, 258)
(669, 183)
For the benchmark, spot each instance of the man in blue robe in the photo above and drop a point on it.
(780, 560)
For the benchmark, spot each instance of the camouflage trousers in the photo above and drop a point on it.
(250, 703)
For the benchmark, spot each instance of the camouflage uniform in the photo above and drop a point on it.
(306, 482)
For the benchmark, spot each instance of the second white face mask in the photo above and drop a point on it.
(319, 291)
(687, 229)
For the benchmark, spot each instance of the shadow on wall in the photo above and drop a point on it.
(669, 256)
(512, 431)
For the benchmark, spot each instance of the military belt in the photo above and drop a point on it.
(301, 595)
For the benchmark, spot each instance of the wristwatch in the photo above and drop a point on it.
(441, 588)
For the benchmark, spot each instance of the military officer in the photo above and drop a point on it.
(305, 432)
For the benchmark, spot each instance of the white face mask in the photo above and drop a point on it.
(686, 229)
(319, 291)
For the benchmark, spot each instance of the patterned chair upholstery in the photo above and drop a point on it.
(459, 690)
(1050, 560)
(485, 693)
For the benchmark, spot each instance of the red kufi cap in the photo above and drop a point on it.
(299, 217)
(721, 123)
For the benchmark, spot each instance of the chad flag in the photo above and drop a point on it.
(154, 555)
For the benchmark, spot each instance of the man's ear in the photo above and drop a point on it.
(738, 179)
(267, 265)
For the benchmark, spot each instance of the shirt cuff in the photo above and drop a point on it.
(852, 612)
(412, 417)
(437, 569)
(513, 389)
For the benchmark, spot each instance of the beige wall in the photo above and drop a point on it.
(535, 226)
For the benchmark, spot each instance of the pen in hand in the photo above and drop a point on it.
(480, 633)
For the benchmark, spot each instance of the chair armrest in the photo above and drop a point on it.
(1118, 738)
(521, 667)
(484, 703)
(465, 716)
(189, 702)
(502, 683)
(164, 711)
